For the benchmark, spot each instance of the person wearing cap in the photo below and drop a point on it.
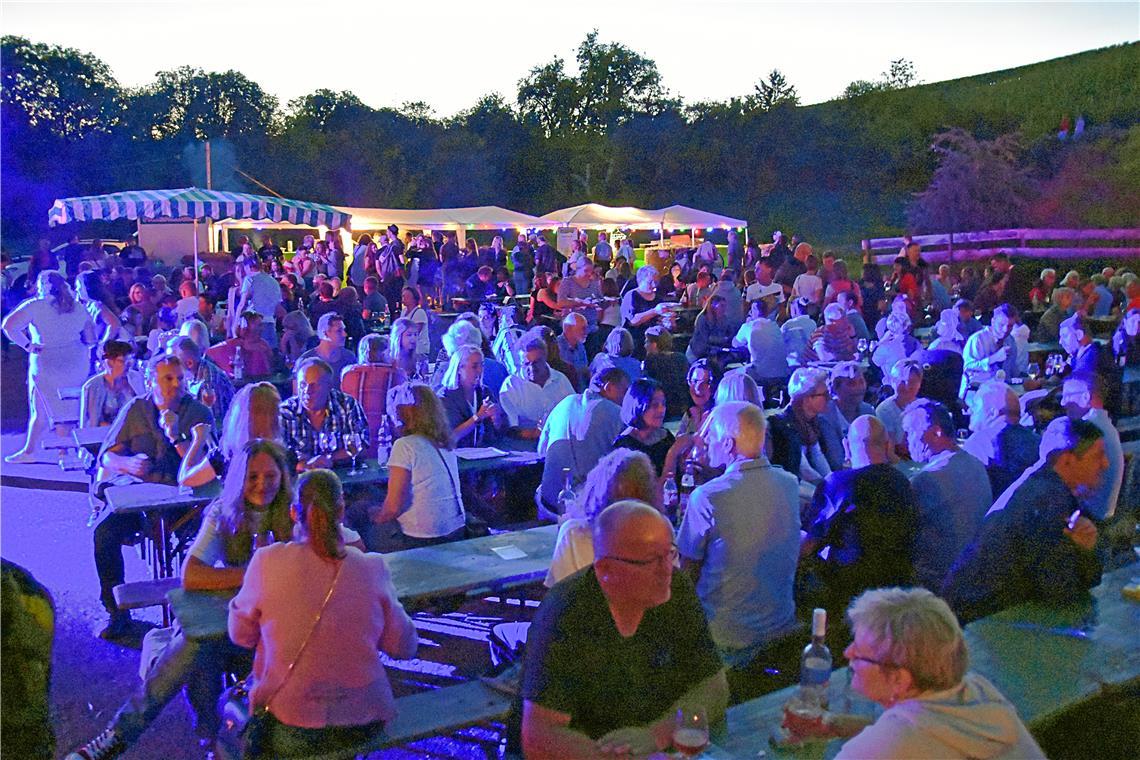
(968, 323)
(1035, 544)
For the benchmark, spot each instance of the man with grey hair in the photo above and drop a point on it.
(528, 396)
(861, 524)
(1060, 308)
(205, 381)
(617, 647)
(1082, 397)
(332, 336)
(572, 347)
(768, 355)
(579, 431)
(1035, 543)
(740, 537)
(997, 438)
(952, 490)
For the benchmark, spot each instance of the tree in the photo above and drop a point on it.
(326, 111)
(773, 92)
(861, 87)
(979, 184)
(188, 103)
(900, 75)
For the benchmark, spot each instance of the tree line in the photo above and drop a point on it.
(884, 156)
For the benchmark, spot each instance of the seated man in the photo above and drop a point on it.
(617, 647)
(997, 438)
(1034, 543)
(572, 347)
(1082, 396)
(146, 443)
(316, 422)
(1091, 359)
(1060, 308)
(205, 380)
(332, 335)
(529, 396)
(480, 286)
(740, 537)
(992, 349)
(579, 431)
(848, 402)
(952, 491)
(768, 357)
(861, 525)
(668, 367)
(713, 330)
(906, 379)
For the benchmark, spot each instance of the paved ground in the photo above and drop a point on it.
(43, 529)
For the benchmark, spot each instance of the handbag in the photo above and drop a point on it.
(473, 526)
(243, 731)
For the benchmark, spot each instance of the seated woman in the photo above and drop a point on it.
(256, 355)
(896, 344)
(317, 612)
(702, 379)
(617, 352)
(621, 474)
(835, 341)
(297, 336)
(909, 656)
(252, 414)
(739, 386)
(1126, 339)
(643, 410)
(402, 342)
(795, 434)
(104, 394)
(424, 495)
(369, 382)
(474, 417)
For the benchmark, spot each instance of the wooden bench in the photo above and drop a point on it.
(139, 594)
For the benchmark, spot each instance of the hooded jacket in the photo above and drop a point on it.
(970, 720)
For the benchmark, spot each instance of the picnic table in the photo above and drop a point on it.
(91, 438)
(460, 568)
(1047, 660)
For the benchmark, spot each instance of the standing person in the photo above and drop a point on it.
(317, 611)
(909, 656)
(55, 331)
(332, 336)
(615, 648)
(261, 294)
(952, 490)
(522, 259)
(390, 269)
(92, 295)
(1035, 543)
(740, 538)
(42, 260)
(424, 498)
(603, 252)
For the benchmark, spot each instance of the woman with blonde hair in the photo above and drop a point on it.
(55, 331)
(621, 474)
(470, 408)
(253, 414)
(909, 656)
(424, 495)
(738, 386)
(317, 611)
(402, 346)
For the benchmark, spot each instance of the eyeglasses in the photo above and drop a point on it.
(872, 661)
(668, 558)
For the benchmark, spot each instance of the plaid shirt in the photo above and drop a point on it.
(345, 417)
(223, 391)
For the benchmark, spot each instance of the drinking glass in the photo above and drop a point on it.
(355, 445)
(691, 731)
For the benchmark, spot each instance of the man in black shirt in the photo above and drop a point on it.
(617, 646)
(861, 524)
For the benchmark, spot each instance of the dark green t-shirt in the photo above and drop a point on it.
(578, 663)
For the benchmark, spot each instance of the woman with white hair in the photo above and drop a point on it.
(642, 307)
(738, 386)
(908, 655)
(795, 434)
(948, 332)
(896, 344)
(55, 331)
(471, 411)
(617, 352)
(465, 333)
(621, 474)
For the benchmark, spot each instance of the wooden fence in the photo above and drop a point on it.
(963, 246)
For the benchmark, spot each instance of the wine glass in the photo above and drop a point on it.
(355, 445)
(691, 731)
(861, 347)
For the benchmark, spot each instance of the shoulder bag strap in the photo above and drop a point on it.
(450, 479)
(308, 636)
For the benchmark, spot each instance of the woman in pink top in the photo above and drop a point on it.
(336, 695)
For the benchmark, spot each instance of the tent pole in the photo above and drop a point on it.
(196, 283)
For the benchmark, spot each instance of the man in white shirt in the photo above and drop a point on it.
(529, 396)
(1082, 396)
(992, 349)
(260, 293)
(580, 430)
(765, 288)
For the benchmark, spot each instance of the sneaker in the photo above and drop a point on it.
(103, 747)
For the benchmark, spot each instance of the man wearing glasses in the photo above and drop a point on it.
(617, 647)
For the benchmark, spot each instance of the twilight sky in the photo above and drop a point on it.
(448, 54)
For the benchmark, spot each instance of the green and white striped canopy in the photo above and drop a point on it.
(194, 203)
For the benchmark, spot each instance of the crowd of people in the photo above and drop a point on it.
(727, 444)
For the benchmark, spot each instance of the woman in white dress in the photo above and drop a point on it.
(55, 330)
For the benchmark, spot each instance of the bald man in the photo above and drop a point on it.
(740, 537)
(997, 438)
(861, 524)
(617, 647)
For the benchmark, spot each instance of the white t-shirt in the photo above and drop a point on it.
(526, 402)
(437, 504)
(573, 550)
(265, 295)
(808, 286)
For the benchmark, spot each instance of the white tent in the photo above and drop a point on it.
(593, 216)
(678, 217)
